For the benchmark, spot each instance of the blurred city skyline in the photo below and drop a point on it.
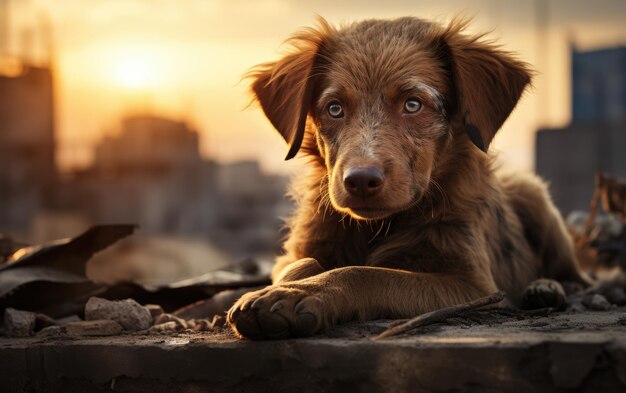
(115, 57)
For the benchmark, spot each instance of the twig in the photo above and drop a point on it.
(439, 315)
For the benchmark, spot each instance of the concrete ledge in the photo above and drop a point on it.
(585, 352)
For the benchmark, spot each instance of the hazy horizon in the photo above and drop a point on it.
(186, 62)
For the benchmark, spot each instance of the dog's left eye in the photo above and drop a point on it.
(412, 105)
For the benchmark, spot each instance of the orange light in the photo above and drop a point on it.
(134, 72)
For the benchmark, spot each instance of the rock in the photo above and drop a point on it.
(596, 302)
(51, 331)
(128, 313)
(155, 310)
(202, 325)
(19, 323)
(68, 319)
(43, 321)
(163, 318)
(615, 295)
(170, 326)
(93, 328)
(218, 321)
(576, 307)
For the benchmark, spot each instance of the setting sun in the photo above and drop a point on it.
(134, 73)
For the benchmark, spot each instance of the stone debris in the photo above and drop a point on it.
(615, 295)
(155, 310)
(128, 313)
(68, 319)
(19, 323)
(103, 317)
(51, 331)
(596, 302)
(170, 326)
(203, 325)
(163, 318)
(93, 328)
(83, 329)
(172, 323)
(43, 321)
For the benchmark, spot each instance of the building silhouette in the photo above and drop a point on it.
(599, 85)
(595, 140)
(151, 173)
(27, 147)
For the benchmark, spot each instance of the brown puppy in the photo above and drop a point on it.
(402, 212)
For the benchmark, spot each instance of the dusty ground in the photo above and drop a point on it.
(482, 351)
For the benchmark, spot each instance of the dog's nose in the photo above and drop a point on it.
(363, 182)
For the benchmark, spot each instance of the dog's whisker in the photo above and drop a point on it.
(444, 196)
(382, 225)
(388, 228)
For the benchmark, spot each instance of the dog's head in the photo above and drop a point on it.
(386, 103)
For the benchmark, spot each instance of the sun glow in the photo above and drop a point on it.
(135, 73)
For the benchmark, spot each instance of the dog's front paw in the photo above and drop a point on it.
(543, 293)
(278, 311)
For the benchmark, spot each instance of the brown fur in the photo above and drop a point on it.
(445, 228)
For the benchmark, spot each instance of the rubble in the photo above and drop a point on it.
(170, 326)
(19, 323)
(155, 310)
(130, 314)
(163, 318)
(596, 302)
(169, 322)
(616, 295)
(93, 328)
(51, 331)
(82, 329)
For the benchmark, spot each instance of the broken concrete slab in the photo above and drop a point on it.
(128, 313)
(581, 351)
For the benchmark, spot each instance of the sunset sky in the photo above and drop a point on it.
(185, 58)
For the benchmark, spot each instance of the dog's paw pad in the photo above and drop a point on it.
(246, 324)
(306, 325)
(275, 313)
(274, 325)
(543, 293)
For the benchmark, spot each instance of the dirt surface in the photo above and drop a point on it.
(495, 350)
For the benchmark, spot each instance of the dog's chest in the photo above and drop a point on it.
(386, 245)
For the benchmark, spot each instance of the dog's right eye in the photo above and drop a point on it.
(335, 110)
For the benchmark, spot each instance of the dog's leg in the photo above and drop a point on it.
(306, 306)
(544, 228)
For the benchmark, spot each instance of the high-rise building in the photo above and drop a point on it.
(599, 85)
(27, 146)
(595, 140)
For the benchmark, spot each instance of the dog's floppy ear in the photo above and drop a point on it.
(285, 88)
(488, 83)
